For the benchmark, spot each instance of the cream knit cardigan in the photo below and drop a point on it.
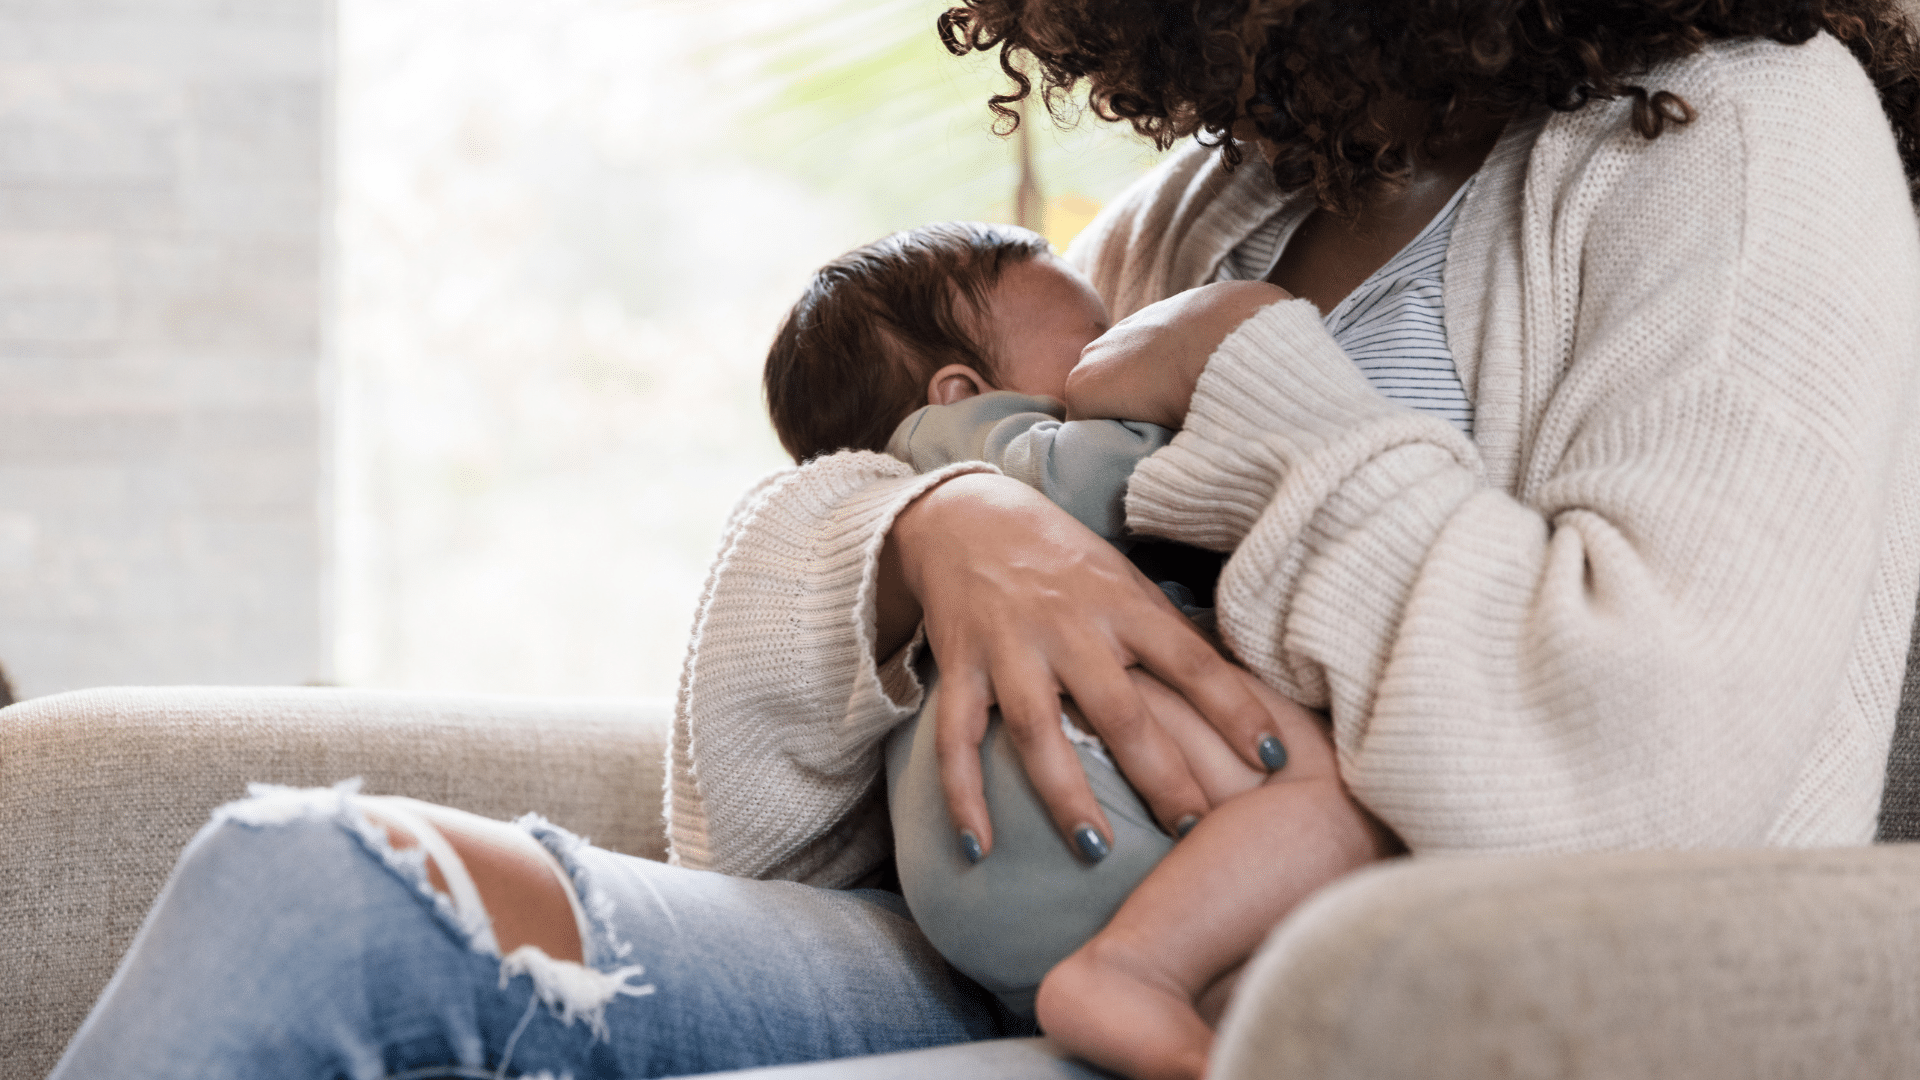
(1660, 599)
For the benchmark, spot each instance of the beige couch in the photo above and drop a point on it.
(1729, 964)
(100, 789)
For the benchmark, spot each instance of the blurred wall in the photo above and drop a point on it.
(163, 196)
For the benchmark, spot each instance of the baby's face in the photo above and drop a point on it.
(1040, 314)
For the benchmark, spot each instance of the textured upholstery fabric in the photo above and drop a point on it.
(1557, 965)
(1671, 964)
(100, 789)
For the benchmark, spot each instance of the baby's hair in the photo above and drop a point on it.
(853, 357)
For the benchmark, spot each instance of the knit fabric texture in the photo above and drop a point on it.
(1661, 598)
(775, 762)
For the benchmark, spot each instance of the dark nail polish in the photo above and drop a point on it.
(1185, 825)
(1272, 754)
(970, 845)
(1093, 847)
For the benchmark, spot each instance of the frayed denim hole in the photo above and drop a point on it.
(577, 991)
(273, 805)
(572, 991)
(607, 949)
(410, 865)
(267, 805)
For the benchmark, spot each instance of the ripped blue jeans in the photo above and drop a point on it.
(294, 941)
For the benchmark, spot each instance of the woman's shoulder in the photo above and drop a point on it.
(1771, 130)
(1169, 229)
(1758, 68)
(1815, 90)
(1757, 101)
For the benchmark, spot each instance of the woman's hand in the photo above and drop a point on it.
(1146, 367)
(1024, 605)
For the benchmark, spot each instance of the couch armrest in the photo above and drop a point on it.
(100, 789)
(1694, 964)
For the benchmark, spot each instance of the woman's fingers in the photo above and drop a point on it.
(1214, 686)
(1022, 603)
(1219, 771)
(960, 716)
(1031, 715)
(1147, 755)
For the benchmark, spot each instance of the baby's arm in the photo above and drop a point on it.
(1081, 465)
(1146, 366)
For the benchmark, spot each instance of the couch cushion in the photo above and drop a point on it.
(99, 790)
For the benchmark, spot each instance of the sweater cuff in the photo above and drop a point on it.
(782, 704)
(1279, 402)
(888, 691)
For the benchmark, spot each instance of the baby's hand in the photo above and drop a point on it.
(1145, 368)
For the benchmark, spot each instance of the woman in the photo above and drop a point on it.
(1659, 598)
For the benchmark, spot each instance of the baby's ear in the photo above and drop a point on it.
(953, 383)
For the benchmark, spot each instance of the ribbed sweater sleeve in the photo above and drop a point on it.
(1640, 643)
(775, 747)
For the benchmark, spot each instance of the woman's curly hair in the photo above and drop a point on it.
(1327, 74)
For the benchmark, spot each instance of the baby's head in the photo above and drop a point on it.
(926, 316)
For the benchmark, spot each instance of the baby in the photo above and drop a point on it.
(953, 342)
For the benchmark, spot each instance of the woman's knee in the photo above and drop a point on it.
(503, 888)
(494, 874)
(297, 917)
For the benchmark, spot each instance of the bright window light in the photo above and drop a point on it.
(567, 230)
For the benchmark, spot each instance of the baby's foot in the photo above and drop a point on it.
(1108, 1005)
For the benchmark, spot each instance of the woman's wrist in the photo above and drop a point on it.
(896, 609)
(967, 500)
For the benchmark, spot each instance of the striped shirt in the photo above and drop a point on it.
(1393, 325)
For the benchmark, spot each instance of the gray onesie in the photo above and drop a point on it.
(1009, 919)
(1081, 465)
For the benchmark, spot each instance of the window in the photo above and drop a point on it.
(567, 230)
